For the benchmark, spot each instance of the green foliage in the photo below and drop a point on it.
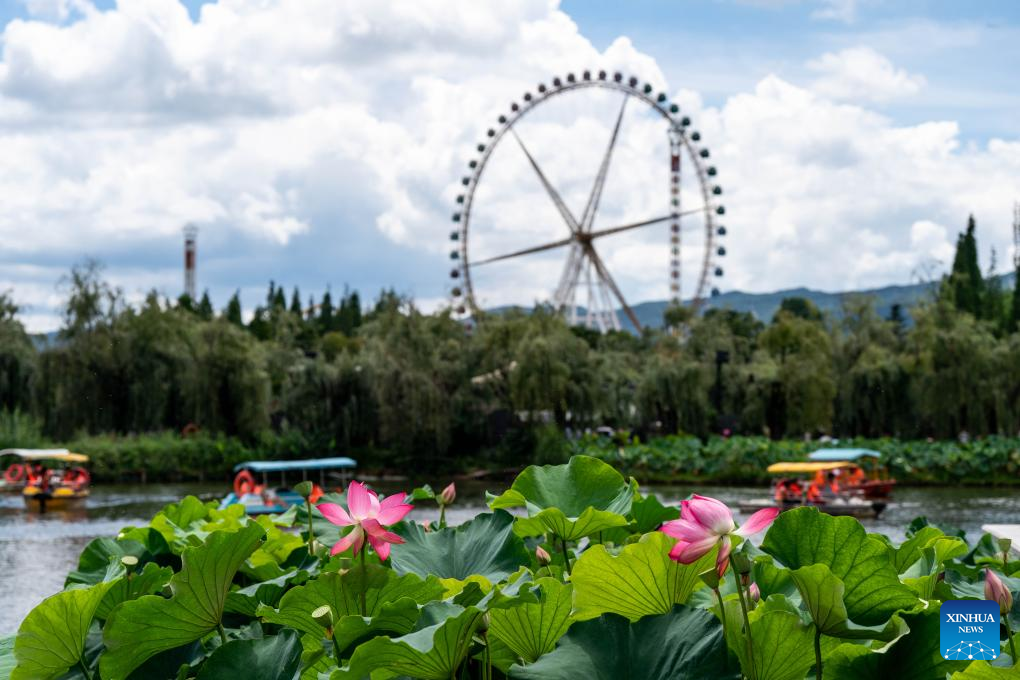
(485, 546)
(64, 617)
(873, 591)
(531, 629)
(638, 582)
(686, 644)
(140, 628)
(272, 658)
(572, 501)
(401, 387)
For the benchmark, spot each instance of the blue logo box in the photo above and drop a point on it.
(969, 629)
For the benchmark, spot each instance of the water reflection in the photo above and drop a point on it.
(37, 551)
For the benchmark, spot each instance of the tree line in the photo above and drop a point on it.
(409, 385)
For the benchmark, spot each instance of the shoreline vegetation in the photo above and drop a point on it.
(168, 456)
(175, 389)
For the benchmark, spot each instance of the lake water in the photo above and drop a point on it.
(36, 552)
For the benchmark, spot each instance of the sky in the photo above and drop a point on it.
(321, 143)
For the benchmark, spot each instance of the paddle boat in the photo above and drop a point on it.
(49, 479)
(260, 497)
(867, 477)
(788, 491)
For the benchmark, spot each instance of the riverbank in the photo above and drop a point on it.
(990, 461)
(170, 457)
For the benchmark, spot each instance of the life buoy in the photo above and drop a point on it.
(15, 473)
(243, 483)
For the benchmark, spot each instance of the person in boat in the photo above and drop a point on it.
(834, 482)
(788, 491)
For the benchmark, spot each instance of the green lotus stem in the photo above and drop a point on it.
(223, 633)
(364, 580)
(84, 669)
(487, 669)
(336, 647)
(311, 534)
(1009, 636)
(818, 653)
(566, 554)
(442, 516)
(722, 615)
(747, 622)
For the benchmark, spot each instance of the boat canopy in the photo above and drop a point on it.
(843, 454)
(286, 465)
(789, 467)
(62, 455)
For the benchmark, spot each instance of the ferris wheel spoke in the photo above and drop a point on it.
(526, 251)
(644, 223)
(588, 218)
(553, 194)
(607, 278)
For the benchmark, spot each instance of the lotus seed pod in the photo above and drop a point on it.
(304, 489)
(323, 616)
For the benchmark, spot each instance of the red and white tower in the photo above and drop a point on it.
(190, 244)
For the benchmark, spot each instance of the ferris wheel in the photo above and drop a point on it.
(660, 231)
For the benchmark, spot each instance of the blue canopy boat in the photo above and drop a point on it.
(259, 497)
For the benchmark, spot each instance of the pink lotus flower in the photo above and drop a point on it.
(368, 516)
(996, 591)
(448, 495)
(754, 592)
(705, 522)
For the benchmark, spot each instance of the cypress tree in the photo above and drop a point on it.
(326, 313)
(966, 282)
(295, 303)
(1014, 312)
(233, 311)
(205, 308)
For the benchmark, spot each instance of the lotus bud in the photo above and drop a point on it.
(483, 624)
(543, 556)
(741, 563)
(754, 592)
(304, 489)
(323, 616)
(448, 495)
(996, 591)
(426, 525)
(710, 577)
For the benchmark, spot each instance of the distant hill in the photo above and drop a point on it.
(764, 305)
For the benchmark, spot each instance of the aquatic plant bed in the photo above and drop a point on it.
(735, 460)
(586, 578)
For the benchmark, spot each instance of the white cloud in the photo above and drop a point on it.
(862, 74)
(119, 126)
(837, 10)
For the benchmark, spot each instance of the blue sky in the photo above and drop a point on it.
(321, 145)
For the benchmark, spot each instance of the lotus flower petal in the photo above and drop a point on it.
(355, 539)
(359, 500)
(392, 509)
(688, 553)
(710, 513)
(759, 521)
(687, 531)
(335, 514)
(723, 559)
